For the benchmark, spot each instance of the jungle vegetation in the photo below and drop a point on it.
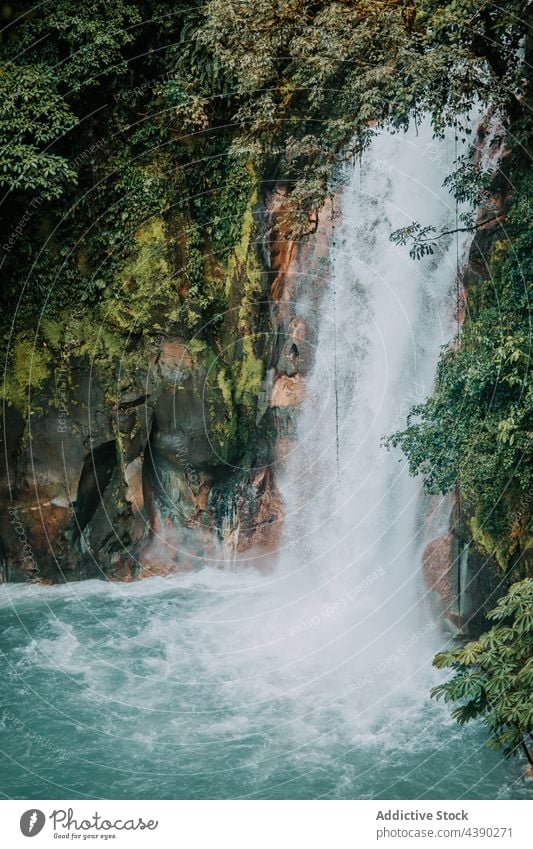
(136, 136)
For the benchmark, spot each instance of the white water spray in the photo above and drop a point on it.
(357, 535)
(307, 681)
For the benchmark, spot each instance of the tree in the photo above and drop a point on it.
(311, 80)
(493, 677)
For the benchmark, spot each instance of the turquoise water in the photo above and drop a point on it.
(165, 689)
(312, 680)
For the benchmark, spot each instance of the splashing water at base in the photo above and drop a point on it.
(313, 681)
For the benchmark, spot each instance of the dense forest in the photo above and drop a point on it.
(141, 146)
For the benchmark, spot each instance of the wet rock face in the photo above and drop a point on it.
(440, 569)
(91, 483)
(181, 433)
(146, 469)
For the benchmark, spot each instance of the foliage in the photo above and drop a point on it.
(310, 78)
(149, 131)
(475, 429)
(143, 287)
(493, 677)
(184, 110)
(86, 45)
(421, 238)
(34, 115)
(471, 182)
(30, 367)
(138, 138)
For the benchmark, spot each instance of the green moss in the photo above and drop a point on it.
(52, 332)
(143, 290)
(197, 347)
(244, 287)
(486, 542)
(249, 372)
(225, 387)
(27, 370)
(96, 341)
(225, 427)
(239, 256)
(238, 183)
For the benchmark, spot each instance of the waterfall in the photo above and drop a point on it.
(311, 681)
(355, 520)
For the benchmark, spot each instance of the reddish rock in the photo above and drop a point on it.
(287, 391)
(134, 490)
(437, 567)
(175, 355)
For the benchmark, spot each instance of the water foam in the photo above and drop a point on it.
(312, 680)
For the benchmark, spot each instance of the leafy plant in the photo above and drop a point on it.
(493, 677)
(475, 430)
(34, 115)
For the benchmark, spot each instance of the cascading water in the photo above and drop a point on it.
(311, 681)
(355, 518)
